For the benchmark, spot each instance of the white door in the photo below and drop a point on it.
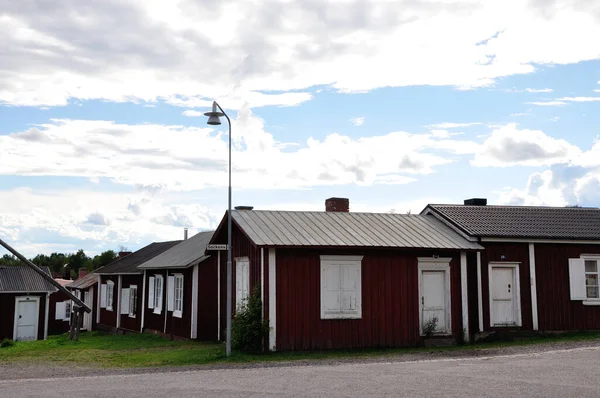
(87, 317)
(433, 301)
(26, 318)
(503, 296)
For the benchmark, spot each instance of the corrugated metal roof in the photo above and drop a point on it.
(24, 279)
(129, 264)
(84, 282)
(575, 223)
(183, 255)
(303, 228)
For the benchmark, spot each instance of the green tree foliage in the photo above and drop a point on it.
(57, 261)
(8, 259)
(248, 329)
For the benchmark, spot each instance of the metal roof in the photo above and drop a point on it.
(340, 229)
(84, 282)
(574, 223)
(129, 264)
(185, 254)
(23, 279)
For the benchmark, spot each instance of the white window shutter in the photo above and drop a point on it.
(60, 311)
(238, 283)
(125, 301)
(160, 292)
(170, 293)
(103, 295)
(151, 292)
(350, 288)
(577, 278)
(246, 280)
(330, 288)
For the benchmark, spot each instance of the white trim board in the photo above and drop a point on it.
(464, 294)
(37, 317)
(272, 300)
(430, 264)
(533, 283)
(517, 282)
(555, 241)
(479, 292)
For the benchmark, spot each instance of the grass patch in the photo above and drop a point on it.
(97, 349)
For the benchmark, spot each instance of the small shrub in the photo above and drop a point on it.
(6, 343)
(430, 326)
(248, 329)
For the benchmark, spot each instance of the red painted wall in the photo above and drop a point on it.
(127, 322)
(556, 311)
(207, 299)
(7, 314)
(390, 302)
(513, 252)
(109, 318)
(56, 326)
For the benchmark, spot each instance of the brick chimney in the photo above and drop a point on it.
(337, 204)
(83, 272)
(124, 254)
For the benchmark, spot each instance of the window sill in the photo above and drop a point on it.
(132, 316)
(109, 309)
(591, 302)
(177, 314)
(340, 316)
(157, 312)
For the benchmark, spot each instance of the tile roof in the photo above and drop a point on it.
(575, 223)
(23, 279)
(129, 264)
(84, 282)
(185, 254)
(338, 229)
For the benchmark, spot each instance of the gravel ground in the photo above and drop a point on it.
(43, 370)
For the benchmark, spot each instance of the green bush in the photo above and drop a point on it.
(6, 343)
(248, 329)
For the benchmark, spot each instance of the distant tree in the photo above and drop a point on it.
(9, 260)
(103, 259)
(573, 205)
(77, 260)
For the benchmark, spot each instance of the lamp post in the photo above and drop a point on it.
(214, 120)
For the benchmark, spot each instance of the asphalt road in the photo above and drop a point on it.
(560, 373)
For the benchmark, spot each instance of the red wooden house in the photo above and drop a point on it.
(540, 267)
(180, 298)
(59, 313)
(85, 288)
(120, 287)
(24, 303)
(337, 279)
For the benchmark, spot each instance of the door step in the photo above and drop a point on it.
(441, 341)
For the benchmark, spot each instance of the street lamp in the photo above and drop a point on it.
(214, 120)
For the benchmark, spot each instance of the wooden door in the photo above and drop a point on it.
(503, 296)
(433, 300)
(26, 319)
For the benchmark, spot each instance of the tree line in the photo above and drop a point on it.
(76, 261)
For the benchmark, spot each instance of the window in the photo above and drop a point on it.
(67, 310)
(584, 278)
(341, 287)
(158, 293)
(178, 312)
(242, 279)
(133, 297)
(62, 311)
(591, 279)
(110, 287)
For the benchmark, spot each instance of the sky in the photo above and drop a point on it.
(392, 104)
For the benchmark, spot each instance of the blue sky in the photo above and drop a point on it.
(103, 143)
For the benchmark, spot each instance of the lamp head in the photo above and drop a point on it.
(214, 116)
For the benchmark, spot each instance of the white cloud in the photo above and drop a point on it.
(538, 90)
(547, 103)
(193, 113)
(357, 121)
(450, 125)
(265, 52)
(188, 158)
(580, 99)
(510, 146)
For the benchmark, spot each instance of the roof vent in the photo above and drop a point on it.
(476, 202)
(244, 207)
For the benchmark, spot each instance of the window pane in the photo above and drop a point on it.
(591, 280)
(591, 266)
(592, 292)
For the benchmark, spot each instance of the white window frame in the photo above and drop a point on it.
(158, 293)
(240, 296)
(342, 261)
(178, 295)
(110, 295)
(596, 258)
(517, 287)
(133, 300)
(436, 264)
